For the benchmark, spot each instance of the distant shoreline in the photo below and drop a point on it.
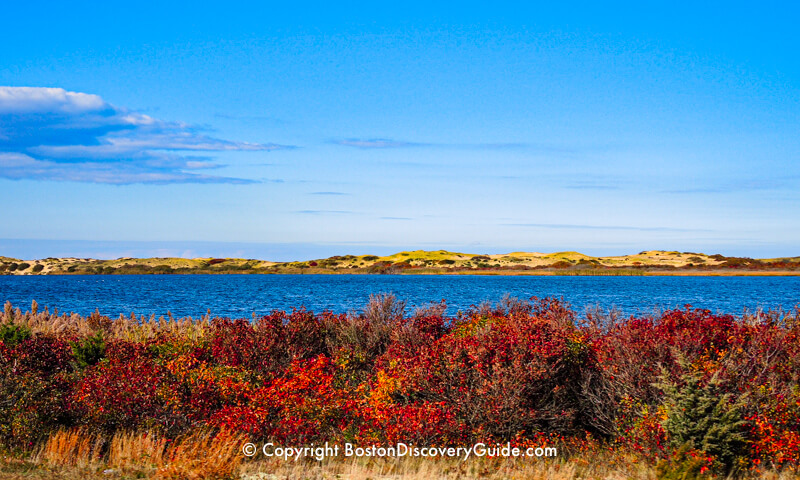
(420, 262)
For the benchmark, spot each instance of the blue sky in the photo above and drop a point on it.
(257, 129)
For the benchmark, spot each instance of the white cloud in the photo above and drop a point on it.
(75, 136)
(21, 100)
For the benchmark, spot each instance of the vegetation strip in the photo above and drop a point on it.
(685, 391)
(655, 262)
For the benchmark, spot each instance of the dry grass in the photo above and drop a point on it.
(77, 454)
(203, 455)
(129, 450)
(74, 447)
(126, 328)
(422, 469)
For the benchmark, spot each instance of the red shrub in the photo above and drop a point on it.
(127, 394)
(502, 376)
(301, 407)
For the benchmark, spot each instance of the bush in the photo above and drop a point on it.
(30, 407)
(89, 351)
(356, 341)
(12, 334)
(700, 416)
(118, 395)
(505, 376)
(561, 264)
(38, 268)
(23, 266)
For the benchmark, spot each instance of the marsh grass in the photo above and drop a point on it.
(130, 328)
(200, 454)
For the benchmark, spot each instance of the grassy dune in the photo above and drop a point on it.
(653, 262)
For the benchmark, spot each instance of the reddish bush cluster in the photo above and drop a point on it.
(518, 372)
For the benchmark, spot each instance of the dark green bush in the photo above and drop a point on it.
(89, 351)
(12, 334)
(38, 268)
(700, 416)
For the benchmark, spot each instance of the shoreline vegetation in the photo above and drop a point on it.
(420, 262)
(682, 394)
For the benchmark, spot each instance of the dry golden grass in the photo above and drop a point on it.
(76, 454)
(74, 447)
(128, 328)
(136, 450)
(203, 455)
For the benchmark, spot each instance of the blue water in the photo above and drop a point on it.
(238, 296)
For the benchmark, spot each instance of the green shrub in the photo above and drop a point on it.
(701, 416)
(38, 268)
(89, 351)
(12, 334)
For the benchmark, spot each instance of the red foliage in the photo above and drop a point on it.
(122, 394)
(519, 372)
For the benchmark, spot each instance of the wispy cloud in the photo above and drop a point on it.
(566, 226)
(251, 119)
(17, 166)
(591, 186)
(377, 143)
(789, 181)
(396, 218)
(333, 194)
(54, 134)
(387, 143)
(325, 212)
